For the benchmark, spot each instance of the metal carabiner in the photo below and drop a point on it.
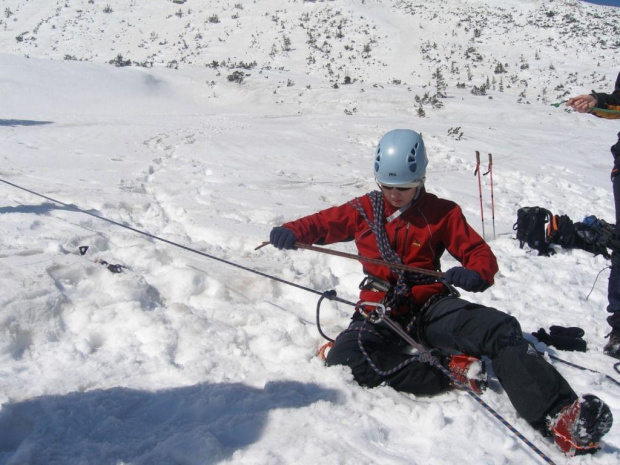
(374, 316)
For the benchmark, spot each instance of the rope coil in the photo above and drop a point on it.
(401, 290)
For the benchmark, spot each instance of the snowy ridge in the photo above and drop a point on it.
(187, 360)
(531, 45)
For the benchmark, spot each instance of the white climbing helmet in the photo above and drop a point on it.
(400, 159)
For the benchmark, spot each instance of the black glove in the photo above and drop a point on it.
(282, 238)
(573, 331)
(563, 338)
(466, 279)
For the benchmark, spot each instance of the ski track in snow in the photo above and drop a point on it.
(182, 359)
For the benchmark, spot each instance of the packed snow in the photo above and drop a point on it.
(186, 359)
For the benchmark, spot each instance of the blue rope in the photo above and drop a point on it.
(372, 364)
(504, 422)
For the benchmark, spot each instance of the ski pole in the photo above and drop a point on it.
(375, 261)
(490, 172)
(477, 172)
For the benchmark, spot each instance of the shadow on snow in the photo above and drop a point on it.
(204, 424)
(22, 122)
(43, 209)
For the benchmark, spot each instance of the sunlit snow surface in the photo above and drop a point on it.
(183, 359)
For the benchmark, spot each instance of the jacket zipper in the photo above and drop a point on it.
(405, 242)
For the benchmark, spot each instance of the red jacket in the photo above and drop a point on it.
(419, 236)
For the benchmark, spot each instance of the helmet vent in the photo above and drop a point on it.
(411, 161)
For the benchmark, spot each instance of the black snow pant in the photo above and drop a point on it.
(454, 325)
(613, 289)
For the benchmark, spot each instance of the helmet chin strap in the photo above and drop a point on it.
(397, 213)
(417, 194)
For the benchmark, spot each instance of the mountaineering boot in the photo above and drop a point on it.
(612, 348)
(470, 371)
(578, 427)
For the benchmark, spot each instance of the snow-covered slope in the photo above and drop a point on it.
(183, 359)
(535, 47)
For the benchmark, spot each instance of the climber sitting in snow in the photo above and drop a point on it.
(403, 223)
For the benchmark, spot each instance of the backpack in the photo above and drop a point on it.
(592, 234)
(531, 229)
(596, 236)
(561, 231)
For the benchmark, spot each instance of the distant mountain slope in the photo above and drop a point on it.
(533, 47)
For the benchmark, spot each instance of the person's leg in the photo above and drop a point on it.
(613, 289)
(612, 348)
(385, 351)
(534, 386)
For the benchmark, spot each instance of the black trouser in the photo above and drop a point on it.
(533, 386)
(613, 289)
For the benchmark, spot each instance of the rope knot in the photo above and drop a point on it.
(330, 295)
